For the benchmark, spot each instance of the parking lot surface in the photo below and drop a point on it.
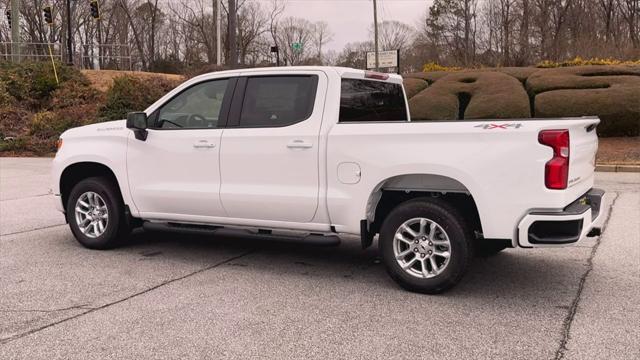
(229, 296)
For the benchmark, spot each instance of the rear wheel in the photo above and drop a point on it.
(95, 213)
(425, 245)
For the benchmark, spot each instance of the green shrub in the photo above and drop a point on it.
(75, 93)
(13, 128)
(433, 66)
(13, 121)
(32, 84)
(578, 61)
(133, 94)
(35, 110)
(5, 98)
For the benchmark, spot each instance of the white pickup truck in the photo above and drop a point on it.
(332, 153)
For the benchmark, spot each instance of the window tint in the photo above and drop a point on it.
(278, 100)
(197, 107)
(366, 100)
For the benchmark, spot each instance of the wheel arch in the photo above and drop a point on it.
(76, 172)
(394, 190)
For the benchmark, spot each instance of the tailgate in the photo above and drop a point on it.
(583, 144)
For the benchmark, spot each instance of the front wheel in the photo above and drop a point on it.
(95, 214)
(426, 245)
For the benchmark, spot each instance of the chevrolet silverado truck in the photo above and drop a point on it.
(331, 153)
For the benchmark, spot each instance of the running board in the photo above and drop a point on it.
(311, 239)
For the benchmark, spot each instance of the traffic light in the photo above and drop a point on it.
(8, 13)
(48, 16)
(95, 9)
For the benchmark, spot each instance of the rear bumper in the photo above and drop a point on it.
(580, 219)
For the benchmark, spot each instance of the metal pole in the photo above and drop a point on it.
(69, 43)
(15, 30)
(218, 34)
(99, 33)
(233, 37)
(375, 30)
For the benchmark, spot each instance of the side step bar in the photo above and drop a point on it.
(311, 239)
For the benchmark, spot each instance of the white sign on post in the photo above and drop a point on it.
(386, 59)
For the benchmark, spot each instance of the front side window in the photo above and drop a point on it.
(198, 107)
(272, 101)
(367, 100)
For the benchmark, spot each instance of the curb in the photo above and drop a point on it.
(617, 168)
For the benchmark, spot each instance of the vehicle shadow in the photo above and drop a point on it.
(513, 273)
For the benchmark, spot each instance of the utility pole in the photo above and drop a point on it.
(375, 31)
(15, 30)
(69, 34)
(218, 34)
(233, 39)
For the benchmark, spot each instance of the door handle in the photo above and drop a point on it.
(203, 144)
(299, 144)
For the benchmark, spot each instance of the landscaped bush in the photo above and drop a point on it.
(611, 92)
(413, 86)
(471, 95)
(5, 98)
(433, 66)
(578, 61)
(13, 126)
(133, 94)
(31, 84)
(35, 109)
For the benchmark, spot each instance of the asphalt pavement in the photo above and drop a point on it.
(170, 296)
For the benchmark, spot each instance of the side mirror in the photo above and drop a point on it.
(137, 121)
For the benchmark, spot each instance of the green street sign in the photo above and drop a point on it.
(296, 46)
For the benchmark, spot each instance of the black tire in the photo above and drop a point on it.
(460, 239)
(488, 248)
(116, 229)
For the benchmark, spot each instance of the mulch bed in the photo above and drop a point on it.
(619, 151)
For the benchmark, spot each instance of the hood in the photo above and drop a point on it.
(106, 128)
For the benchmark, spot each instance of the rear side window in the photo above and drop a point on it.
(366, 100)
(272, 101)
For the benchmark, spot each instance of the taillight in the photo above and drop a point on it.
(556, 171)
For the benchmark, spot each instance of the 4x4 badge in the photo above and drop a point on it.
(499, 126)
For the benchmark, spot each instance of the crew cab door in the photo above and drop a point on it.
(269, 155)
(175, 173)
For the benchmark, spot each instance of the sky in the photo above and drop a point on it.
(349, 20)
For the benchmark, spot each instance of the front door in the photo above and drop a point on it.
(269, 155)
(175, 173)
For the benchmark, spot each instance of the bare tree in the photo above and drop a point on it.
(321, 36)
(394, 35)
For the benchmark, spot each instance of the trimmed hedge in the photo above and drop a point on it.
(471, 95)
(611, 92)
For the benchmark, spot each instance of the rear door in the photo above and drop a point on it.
(269, 153)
